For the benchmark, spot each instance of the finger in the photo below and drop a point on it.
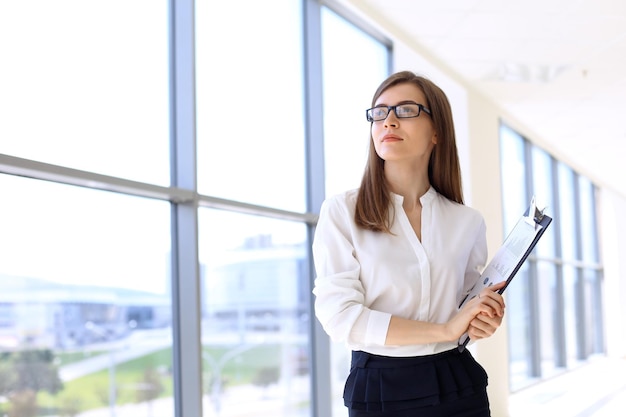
(492, 290)
(489, 306)
(494, 303)
(476, 333)
(487, 294)
(497, 286)
(482, 328)
(485, 309)
(494, 322)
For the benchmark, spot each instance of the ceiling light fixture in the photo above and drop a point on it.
(524, 73)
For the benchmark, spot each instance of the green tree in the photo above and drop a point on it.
(23, 374)
(35, 370)
(266, 376)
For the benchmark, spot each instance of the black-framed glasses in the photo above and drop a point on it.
(403, 111)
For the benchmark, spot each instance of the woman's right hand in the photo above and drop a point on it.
(489, 302)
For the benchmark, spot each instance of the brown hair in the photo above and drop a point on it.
(444, 172)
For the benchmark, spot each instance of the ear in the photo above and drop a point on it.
(434, 139)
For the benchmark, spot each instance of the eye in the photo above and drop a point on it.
(407, 110)
(379, 112)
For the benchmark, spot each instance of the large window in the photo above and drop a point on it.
(162, 166)
(554, 318)
(85, 290)
(250, 102)
(254, 286)
(251, 149)
(82, 87)
(85, 277)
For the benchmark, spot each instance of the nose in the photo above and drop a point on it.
(392, 119)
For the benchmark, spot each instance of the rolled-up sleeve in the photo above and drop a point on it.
(339, 293)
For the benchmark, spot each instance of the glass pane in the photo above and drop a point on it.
(588, 220)
(85, 302)
(593, 305)
(340, 360)
(85, 88)
(244, 61)
(255, 298)
(549, 315)
(350, 80)
(567, 216)
(544, 194)
(518, 321)
(570, 277)
(513, 168)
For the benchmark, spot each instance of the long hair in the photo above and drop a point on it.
(444, 172)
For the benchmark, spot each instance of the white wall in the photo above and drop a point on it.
(612, 215)
(486, 187)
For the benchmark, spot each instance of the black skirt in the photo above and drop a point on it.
(434, 385)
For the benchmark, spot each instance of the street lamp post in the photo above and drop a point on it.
(92, 327)
(216, 367)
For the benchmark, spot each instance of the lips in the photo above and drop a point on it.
(391, 138)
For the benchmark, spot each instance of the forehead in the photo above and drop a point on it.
(401, 92)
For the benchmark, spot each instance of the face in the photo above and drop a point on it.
(403, 139)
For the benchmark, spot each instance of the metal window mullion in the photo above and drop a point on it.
(559, 320)
(255, 210)
(320, 365)
(581, 310)
(599, 342)
(535, 320)
(22, 167)
(600, 337)
(187, 358)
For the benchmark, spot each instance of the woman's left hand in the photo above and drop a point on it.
(483, 325)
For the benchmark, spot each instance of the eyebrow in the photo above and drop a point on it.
(397, 104)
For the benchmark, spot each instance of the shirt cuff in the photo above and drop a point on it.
(377, 328)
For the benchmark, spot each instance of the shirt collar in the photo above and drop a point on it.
(427, 198)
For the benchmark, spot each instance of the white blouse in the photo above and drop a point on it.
(365, 277)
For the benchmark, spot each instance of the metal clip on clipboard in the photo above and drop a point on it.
(534, 216)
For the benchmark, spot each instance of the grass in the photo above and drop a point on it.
(92, 391)
(243, 368)
(65, 358)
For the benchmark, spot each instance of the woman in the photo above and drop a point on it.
(394, 260)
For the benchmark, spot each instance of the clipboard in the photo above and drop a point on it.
(514, 251)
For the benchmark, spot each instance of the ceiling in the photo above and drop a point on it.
(557, 66)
